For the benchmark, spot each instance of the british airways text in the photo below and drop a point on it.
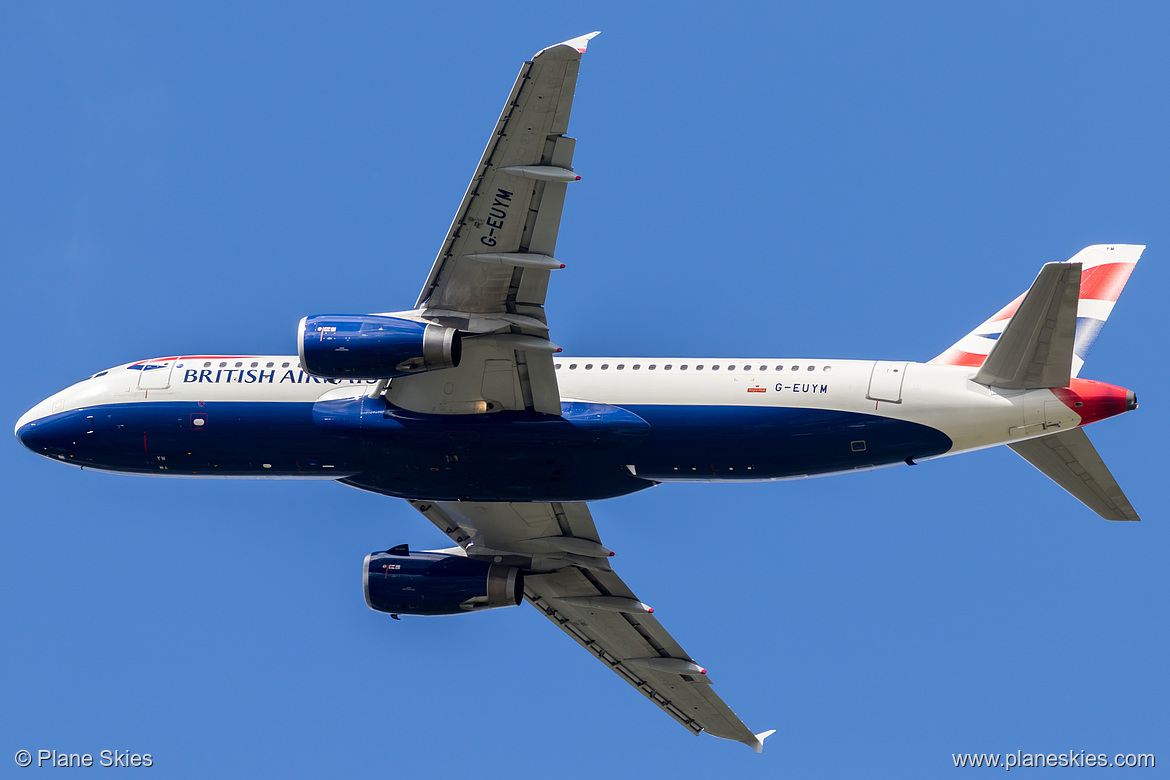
(249, 376)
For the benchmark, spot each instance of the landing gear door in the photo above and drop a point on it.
(154, 374)
(885, 383)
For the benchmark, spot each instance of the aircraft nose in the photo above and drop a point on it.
(54, 435)
(30, 435)
(25, 429)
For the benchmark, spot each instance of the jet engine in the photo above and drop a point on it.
(368, 346)
(399, 581)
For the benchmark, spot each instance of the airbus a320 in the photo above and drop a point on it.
(464, 407)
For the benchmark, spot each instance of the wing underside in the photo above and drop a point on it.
(571, 582)
(491, 275)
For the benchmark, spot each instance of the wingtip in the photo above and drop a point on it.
(580, 43)
(758, 746)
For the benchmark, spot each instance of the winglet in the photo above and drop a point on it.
(758, 745)
(579, 44)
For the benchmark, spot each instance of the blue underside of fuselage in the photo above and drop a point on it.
(593, 451)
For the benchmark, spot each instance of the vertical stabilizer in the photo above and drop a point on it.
(1105, 270)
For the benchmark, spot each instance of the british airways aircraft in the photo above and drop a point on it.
(464, 407)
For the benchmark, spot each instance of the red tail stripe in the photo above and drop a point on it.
(196, 357)
(957, 357)
(1007, 312)
(1104, 282)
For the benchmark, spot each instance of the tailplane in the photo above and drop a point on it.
(1070, 460)
(1035, 348)
(1105, 268)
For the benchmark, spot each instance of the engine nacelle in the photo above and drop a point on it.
(367, 346)
(428, 583)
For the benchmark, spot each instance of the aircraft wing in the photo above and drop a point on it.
(492, 272)
(569, 579)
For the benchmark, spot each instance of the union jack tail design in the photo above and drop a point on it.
(1105, 268)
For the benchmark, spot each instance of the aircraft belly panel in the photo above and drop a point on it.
(753, 442)
(592, 451)
(189, 438)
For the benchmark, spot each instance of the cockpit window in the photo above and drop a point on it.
(100, 373)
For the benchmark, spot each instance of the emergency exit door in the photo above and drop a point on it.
(885, 383)
(154, 374)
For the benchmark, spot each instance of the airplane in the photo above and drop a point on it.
(464, 407)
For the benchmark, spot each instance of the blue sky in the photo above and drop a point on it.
(833, 179)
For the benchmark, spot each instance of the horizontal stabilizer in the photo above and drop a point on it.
(1036, 348)
(1070, 460)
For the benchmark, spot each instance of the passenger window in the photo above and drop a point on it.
(666, 367)
(557, 366)
(779, 368)
(572, 366)
(683, 367)
(588, 366)
(828, 369)
(651, 367)
(620, 366)
(207, 364)
(254, 364)
(604, 366)
(796, 368)
(747, 368)
(698, 368)
(763, 368)
(239, 363)
(812, 368)
(223, 364)
(637, 366)
(715, 367)
(284, 365)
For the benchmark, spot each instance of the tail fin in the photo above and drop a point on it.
(1105, 270)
